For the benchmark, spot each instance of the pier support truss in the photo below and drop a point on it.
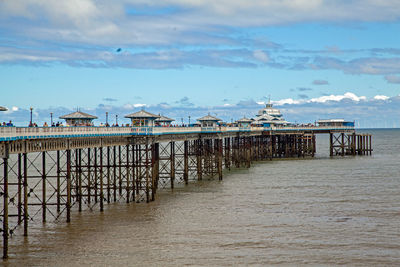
(342, 144)
(42, 180)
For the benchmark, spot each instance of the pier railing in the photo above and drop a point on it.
(20, 133)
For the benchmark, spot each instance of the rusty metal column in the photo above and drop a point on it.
(314, 148)
(108, 175)
(44, 187)
(89, 184)
(95, 175)
(26, 217)
(19, 188)
(172, 161)
(58, 182)
(115, 173)
(101, 180)
(227, 153)
(76, 176)
(147, 172)
(331, 144)
(78, 197)
(68, 204)
(220, 159)
(5, 204)
(370, 144)
(80, 179)
(186, 162)
(199, 153)
(119, 171)
(342, 146)
(248, 151)
(127, 174)
(133, 174)
(155, 166)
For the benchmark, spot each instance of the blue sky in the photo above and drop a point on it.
(315, 58)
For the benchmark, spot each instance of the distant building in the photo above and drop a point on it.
(244, 122)
(143, 118)
(79, 118)
(3, 108)
(163, 121)
(269, 116)
(209, 121)
(335, 122)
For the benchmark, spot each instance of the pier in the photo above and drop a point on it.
(48, 173)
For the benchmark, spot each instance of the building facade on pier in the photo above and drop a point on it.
(78, 118)
(143, 118)
(335, 122)
(209, 121)
(269, 116)
(244, 122)
(163, 121)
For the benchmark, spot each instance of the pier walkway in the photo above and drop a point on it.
(46, 173)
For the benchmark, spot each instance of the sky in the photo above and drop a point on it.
(314, 59)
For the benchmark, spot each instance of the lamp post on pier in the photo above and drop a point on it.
(51, 119)
(116, 120)
(30, 123)
(106, 118)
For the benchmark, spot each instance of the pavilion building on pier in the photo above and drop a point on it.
(78, 118)
(163, 121)
(269, 116)
(209, 121)
(143, 118)
(335, 122)
(244, 122)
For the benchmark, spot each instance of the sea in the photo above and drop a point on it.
(304, 212)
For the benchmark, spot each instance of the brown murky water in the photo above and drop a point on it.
(343, 211)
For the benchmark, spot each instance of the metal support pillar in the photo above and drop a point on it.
(89, 177)
(19, 188)
(44, 187)
(172, 166)
(199, 153)
(5, 205)
(25, 184)
(186, 162)
(101, 180)
(68, 204)
(147, 173)
(108, 175)
(220, 155)
(127, 173)
(95, 175)
(114, 173)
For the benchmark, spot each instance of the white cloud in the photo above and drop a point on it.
(133, 106)
(289, 101)
(261, 55)
(350, 96)
(107, 22)
(381, 97)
